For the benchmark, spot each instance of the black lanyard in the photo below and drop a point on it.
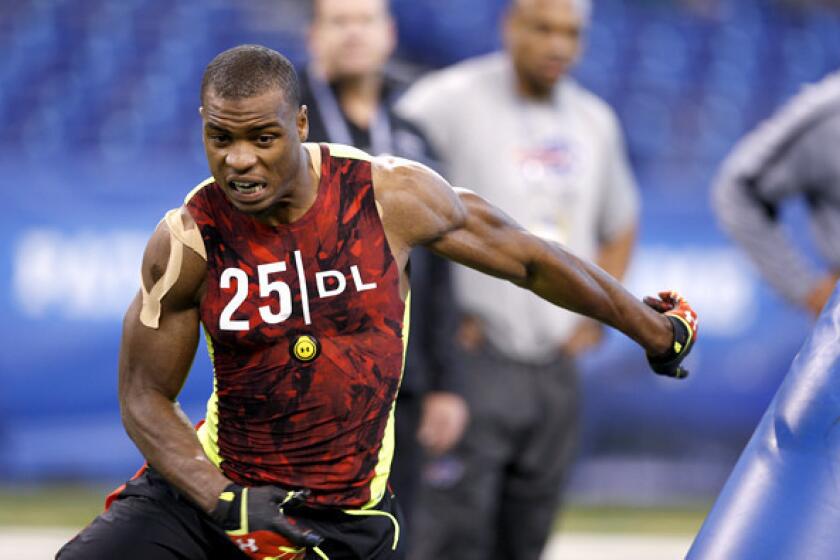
(335, 123)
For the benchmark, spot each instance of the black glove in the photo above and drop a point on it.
(253, 518)
(684, 324)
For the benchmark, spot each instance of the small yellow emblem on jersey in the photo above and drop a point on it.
(305, 348)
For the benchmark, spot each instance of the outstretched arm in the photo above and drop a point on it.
(461, 226)
(153, 365)
(490, 241)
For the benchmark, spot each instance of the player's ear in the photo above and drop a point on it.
(303, 123)
(201, 111)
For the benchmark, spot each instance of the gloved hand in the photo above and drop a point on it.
(253, 518)
(684, 322)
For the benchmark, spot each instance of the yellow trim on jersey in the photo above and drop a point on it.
(379, 484)
(208, 433)
(345, 151)
(197, 188)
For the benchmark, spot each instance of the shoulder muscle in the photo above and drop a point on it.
(418, 206)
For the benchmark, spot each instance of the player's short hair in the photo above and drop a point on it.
(250, 70)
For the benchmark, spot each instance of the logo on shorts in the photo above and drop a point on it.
(248, 545)
(305, 348)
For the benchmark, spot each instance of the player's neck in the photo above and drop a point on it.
(359, 97)
(300, 195)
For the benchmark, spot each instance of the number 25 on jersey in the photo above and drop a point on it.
(329, 283)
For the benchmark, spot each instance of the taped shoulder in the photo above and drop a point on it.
(181, 235)
(184, 229)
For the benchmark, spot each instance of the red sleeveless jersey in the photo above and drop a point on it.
(305, 328)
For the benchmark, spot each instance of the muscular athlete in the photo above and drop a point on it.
(273, 467)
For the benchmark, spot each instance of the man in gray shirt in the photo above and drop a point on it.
(527, 137)
(792, 154)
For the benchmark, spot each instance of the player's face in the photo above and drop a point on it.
(253, 147)
(351, 38)
(543, 38)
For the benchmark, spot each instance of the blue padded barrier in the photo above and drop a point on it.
(782, 500)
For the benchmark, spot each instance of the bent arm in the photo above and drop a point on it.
(153, 365)
(753, 225)
(789, 156)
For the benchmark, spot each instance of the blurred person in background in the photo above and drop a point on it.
(518, 130)
(791, 155)
(350, 92)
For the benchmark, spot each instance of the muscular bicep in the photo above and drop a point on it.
(160, 328)
(157, 360)
(488, 240)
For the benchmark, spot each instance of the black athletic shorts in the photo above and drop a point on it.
(150, 520)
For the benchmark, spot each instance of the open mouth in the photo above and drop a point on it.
(246, 187)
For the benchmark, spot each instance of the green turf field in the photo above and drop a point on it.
(74, 506)
(63, 505)
(675, 520)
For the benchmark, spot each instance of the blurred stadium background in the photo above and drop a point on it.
(98, 101)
